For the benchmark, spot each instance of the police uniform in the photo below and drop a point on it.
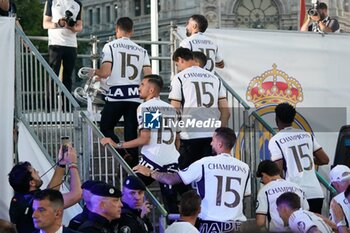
(98, 224)
(21, 212)
(95, 222)
(130, 219)
(83, 216)
(79, 219)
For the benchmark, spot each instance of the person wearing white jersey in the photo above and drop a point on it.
(338, 215)
(296, 152)
(123, 61)
(340, 180)
(158, 150)
(197, 41)
(267, 216)
(222, 182)
(62, 33)
(298, 220)
(201, 98)
(190, 207)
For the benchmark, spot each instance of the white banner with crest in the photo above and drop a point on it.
(309, 70)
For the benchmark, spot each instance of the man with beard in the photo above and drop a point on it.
(25, 181)
(222, 182)
(320, 22)
(197, 41)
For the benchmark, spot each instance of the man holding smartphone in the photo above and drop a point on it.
(25, 181)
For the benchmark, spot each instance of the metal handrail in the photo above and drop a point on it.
(233, 93)
(40, 58)
(123, 163)
(77, 123)
(81, 39)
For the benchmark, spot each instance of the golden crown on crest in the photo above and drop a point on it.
(273, 87)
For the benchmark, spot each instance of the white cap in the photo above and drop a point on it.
(339, 173)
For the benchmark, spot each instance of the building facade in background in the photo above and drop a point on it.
(100, 16)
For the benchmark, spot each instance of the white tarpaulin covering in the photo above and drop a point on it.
(319, 64)
(7, 67)
(28, 150)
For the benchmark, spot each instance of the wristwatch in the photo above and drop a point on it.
(341, 223)
(119, 145)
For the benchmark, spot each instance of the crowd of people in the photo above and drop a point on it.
(162, 144)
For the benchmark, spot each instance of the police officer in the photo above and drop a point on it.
(133, 218)
(105, 210)
(83, 216)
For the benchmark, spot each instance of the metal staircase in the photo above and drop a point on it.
(45, 119)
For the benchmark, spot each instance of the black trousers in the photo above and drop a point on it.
(192, 150)
(66, 56)
(111, 114)
(315, 205)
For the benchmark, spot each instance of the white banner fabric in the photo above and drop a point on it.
(7, 67)
(319, 63)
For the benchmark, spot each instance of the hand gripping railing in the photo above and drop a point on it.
(101, 161)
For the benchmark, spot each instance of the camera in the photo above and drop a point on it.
(68, 18)
(65, 144)
(313, 11)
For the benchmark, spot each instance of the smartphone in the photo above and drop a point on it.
(65, 143)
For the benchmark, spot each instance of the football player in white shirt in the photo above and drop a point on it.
(267, 216)
(296, 152)
(340, 180)
(200, 96)
(123, 61)
(298, 220)
(197, 41)
(338, 215)
(222, 182)
(158, 151)
(190, 207)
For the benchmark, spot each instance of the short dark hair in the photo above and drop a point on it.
(322, 6)
(268, 167)
(290, 199)
(156, 80)
(125, 23)
(285, 113)
(7, 227)
(52, 195)
(200, 58)
(190, 203)
(183, 53)
(227, 136)
(201, 21)
(20, 176)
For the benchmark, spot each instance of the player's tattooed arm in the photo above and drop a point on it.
(163, 177)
